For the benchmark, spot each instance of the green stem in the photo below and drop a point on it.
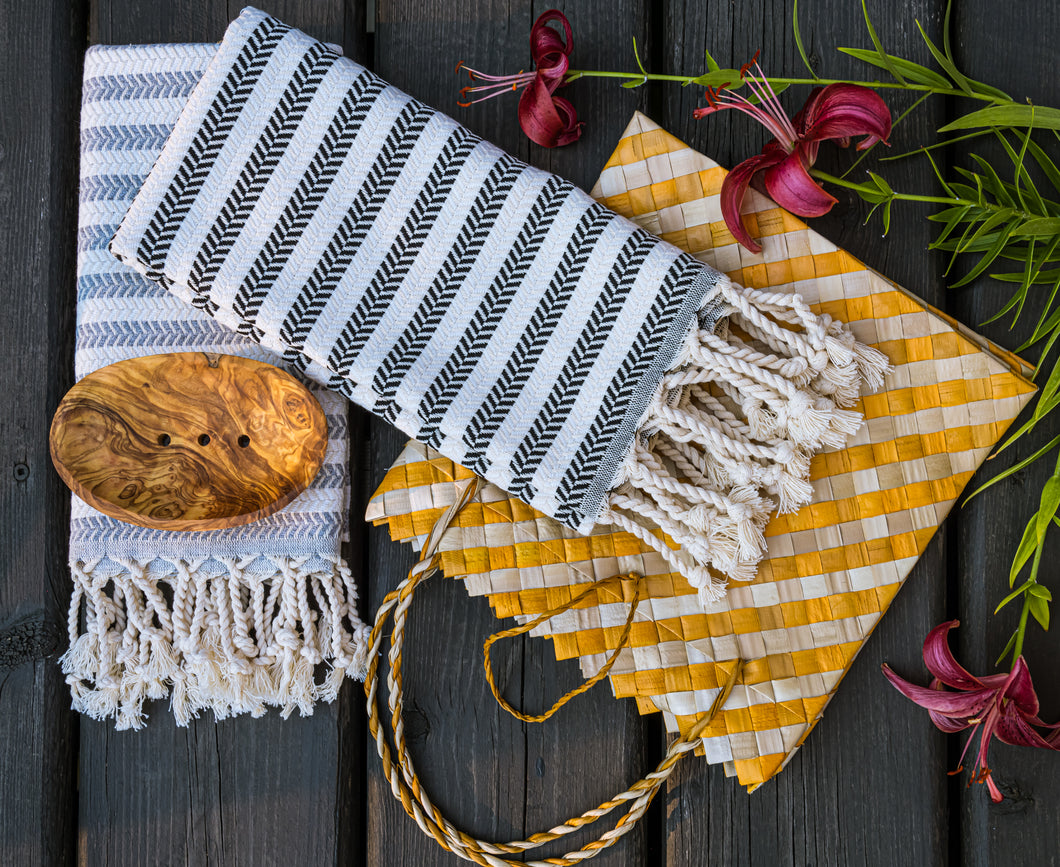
(1021, 630)
(574, 74)
(905, 197)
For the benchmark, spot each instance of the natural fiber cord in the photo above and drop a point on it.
(634, 583)
(401, 773)
(490, 309)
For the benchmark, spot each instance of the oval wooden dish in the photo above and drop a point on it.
(188, 440)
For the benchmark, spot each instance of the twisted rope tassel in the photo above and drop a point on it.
(401, 773)
(226, 637)
(735, 425)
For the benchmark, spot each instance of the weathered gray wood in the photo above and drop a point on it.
(242, 791)
(40, 61)
(492, 775)
(869, 785)
(1013, 52)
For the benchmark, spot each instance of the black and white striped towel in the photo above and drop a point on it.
(487, 308)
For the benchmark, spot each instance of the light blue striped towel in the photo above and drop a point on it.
(231, 620)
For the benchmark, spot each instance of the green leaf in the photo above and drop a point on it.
(881, 183)
(994, 183)
(945, 215)
(939, 144)
(1050, 389)
(1042, 592)
(1008, 648)
(984, 262)
(938, 174)
(1027, 546)
(887, 216)
(1048, 226)
(1025, 285)
(718, 78)
(912, 71)
(712, 64)
(1017, 298)
(1041, 277)
(1015, 594)
(942, 60)
(884, 57)
(798, 39)
(1047, 166)
(633, 83)
(1004, 474)
(1039, 609)
(1009, 115)
(1047, 508)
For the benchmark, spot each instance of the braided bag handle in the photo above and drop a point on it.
(400, 771)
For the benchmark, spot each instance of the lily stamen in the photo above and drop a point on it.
(835, 113)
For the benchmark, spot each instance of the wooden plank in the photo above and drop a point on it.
(492, 775)
(242, 791)
(40, 63)
(1010, 53)
(860, 790)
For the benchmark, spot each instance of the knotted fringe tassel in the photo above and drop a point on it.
(230, 635)
(729, 433)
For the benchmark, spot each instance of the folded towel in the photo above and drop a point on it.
(230, 620)
(487, 308)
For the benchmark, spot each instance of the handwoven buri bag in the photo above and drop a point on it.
(489, 309)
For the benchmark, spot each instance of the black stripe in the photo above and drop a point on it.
(542, 323)
(300, 210)
(642, 357)
(491, 309)
(564, 394)
(260, 165)
(347, 239)
(227, 104)
(404, 250)
(451, 275)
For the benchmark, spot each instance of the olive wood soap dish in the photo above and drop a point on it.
(188, 440)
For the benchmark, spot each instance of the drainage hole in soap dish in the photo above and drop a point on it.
(243, 441)
(204, 439)
(164, 440)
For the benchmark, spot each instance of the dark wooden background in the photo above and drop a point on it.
(870, 784)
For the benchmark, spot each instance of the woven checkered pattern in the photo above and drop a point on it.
(832, 568)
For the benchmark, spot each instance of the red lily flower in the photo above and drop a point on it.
(835, 112)
(547, 119)
(1001, 705)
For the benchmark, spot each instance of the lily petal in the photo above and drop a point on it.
(941, 662)
(843, 110)
(549, 50)
(1014, 729)
(791, 187)
(732, 192)
(966, 704)
(1020, 689)
(546, 119)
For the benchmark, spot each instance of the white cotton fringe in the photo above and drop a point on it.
(230, 635)
(729, 433)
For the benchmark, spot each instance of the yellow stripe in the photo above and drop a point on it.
(871, 504)
(710, 675)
